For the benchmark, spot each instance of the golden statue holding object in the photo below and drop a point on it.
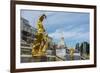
(40, 43)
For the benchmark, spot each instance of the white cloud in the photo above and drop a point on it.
(72, 35)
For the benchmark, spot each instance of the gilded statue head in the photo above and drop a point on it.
(42, 17)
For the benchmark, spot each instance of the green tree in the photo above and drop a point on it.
(77, 47)
(81, 49)
(87, 47)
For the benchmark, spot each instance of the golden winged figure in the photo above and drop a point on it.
(40, 44)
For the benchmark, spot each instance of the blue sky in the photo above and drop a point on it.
(73, 26)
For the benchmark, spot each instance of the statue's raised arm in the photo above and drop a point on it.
(39, 26)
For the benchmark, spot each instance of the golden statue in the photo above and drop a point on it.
(40, 44)
(71, 53)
